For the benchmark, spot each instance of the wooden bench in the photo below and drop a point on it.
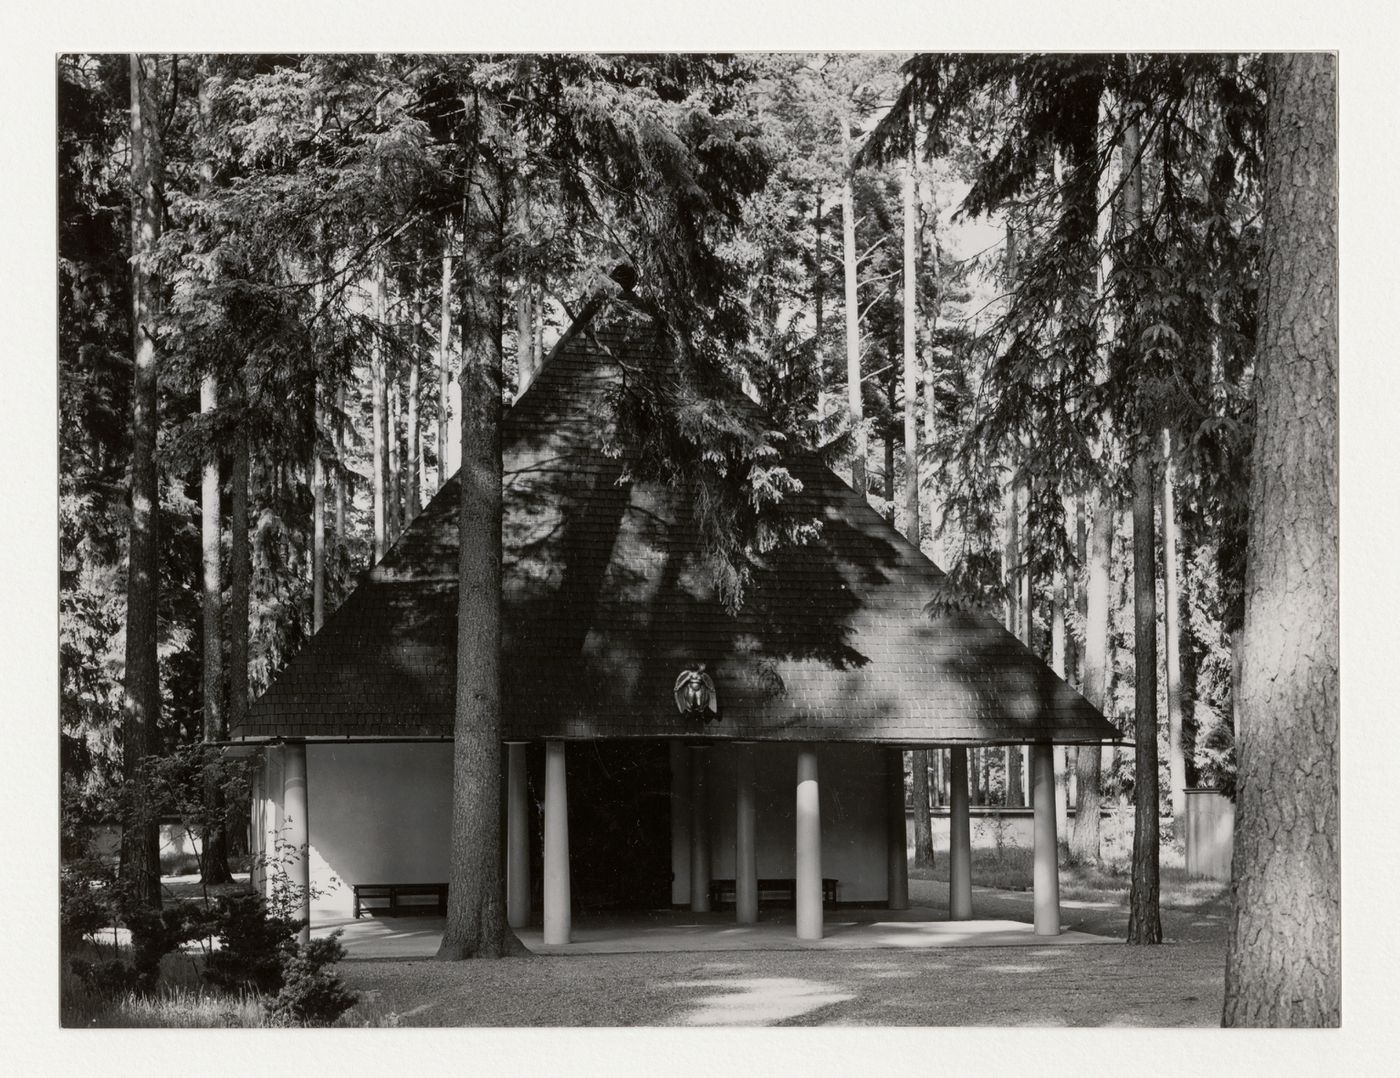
(722, 891)
(395, 891)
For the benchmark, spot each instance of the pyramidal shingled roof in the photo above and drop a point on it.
(607, 598)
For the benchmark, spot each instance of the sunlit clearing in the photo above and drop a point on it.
(760, 1001)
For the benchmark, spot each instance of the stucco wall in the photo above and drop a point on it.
(851, 780)
(382, 812)
(378, 814)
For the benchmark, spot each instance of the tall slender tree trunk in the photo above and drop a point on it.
(476, 917)
(340, 471)
(141, 701)
(854, 395)
(214, 863)
(214, 841)
(379, 409)
(818, 278)
(1012, 584)
(240, 578)
(1144, 915)
(412, 482)
(396, 453)
(1057, 660)
(1283, 964)
(524, 337)
(444, 355)
(921, 758)
(1171, 617)
(1084, 840)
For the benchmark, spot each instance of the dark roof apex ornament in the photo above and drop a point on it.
(695, 694)
(625, 274)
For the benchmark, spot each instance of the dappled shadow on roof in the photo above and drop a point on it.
(608, 596)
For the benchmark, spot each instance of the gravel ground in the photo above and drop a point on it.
(1176, 985)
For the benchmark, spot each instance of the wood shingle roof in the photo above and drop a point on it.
(607, 599)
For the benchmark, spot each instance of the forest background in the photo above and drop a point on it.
(991, 543)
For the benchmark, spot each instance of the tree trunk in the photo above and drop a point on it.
(819, 282)
(1171, 618)
(1057, 660)
(339, 467)
(854, 399)
(396, 453)
(919, 790)
(240, 581)
(379, 408)
(414, 499)
(1012, 583)
(524, 326)
(214, 863)
(141, 702)
(1084, 840)
(476, 915)
(444, 356)
(1144, 915)
(1283, 965)
(911, 368)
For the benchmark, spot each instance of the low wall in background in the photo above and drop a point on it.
(175, 841)
(1210, 834)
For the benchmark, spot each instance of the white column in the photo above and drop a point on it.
(959, 839)
(517, 837)
(699, 831)
(557, 914)
(1046, 878)
(745, 854)
(896, 832)
(809, 846)
(257, 829)
(298, 833)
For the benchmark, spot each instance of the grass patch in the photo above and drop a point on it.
(1011, 868)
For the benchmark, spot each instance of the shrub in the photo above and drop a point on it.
(157, 932)
(85, 901)
(254, 945)
(311, 994)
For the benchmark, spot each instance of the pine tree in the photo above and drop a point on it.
(1283, 966)
(141, 713)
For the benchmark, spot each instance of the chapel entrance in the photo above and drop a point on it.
(619, 825)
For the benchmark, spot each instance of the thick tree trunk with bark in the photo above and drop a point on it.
(141, 702)
(1084, 839)
(476, 915)
(1283, 965)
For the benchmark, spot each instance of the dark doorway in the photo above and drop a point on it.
(619, 824)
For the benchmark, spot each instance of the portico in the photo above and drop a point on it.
(829, 672)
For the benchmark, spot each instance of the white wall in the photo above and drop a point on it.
(379, 813)
(851, 780)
